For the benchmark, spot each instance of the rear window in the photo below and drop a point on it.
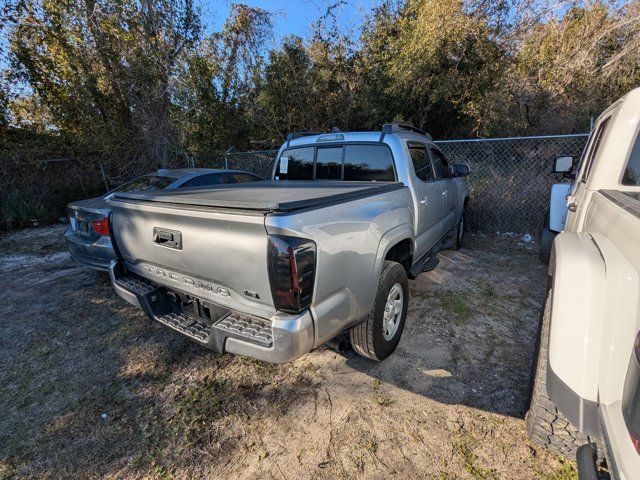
(632, 171)
(146, 183)
(368, 162)
(351, 162)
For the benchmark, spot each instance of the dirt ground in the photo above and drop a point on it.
(89, 387)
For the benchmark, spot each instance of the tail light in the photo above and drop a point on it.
(292, 269)
(631, 396)
(101, 226)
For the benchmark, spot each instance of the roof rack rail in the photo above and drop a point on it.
(401, 127)
(294, 135)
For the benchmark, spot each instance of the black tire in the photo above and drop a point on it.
(546, 240)
(458, 236)
(545, 424)
(367, 338)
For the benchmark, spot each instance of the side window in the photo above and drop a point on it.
(593, 151)
(245, 177)
(421, 162)
(631, 174)
(329, 163)
(296, 164)
(440, 164)
(368, 163)
(206, 180)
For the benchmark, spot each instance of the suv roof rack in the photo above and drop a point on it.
(401, 127)
(294, 135)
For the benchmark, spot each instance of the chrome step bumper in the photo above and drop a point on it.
(282, 338)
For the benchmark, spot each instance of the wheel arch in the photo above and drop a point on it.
(578, 278)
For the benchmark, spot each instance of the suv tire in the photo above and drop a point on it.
(378, 335)
(545, 424)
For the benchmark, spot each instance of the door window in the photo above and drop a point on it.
(440, 164)
(146, 183)
(245, 177)
(207, 180)
(595, 147)
(421, 162)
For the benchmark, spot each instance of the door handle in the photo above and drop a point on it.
(572, 207)
(444, 193)
(424, 200)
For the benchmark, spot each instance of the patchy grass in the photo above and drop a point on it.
(91, 388)
(456, 304)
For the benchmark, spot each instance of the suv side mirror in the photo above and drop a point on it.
(563, 164)
(460, 170)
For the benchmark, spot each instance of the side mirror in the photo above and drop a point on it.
(563, 164)
(460, 170)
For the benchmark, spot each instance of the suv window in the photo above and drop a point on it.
(368, 162)
(351, 162)
(632, 171)
(421, 162)
(440, 164)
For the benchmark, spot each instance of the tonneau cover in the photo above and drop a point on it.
(267, 195)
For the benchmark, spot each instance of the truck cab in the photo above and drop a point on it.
(586, 390)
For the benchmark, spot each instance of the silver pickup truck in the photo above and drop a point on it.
(274, 269)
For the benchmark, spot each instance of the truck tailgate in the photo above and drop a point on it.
(216, 255)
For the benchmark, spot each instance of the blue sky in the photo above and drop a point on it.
(293, 17)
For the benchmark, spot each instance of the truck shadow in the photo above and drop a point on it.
(470, 332)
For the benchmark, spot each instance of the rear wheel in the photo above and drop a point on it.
(378, 335)
(545, 424)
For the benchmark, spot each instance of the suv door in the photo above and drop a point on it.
(429, 195)
(447, 189)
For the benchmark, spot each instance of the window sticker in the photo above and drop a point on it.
(284, 165)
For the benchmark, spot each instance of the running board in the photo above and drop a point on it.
(430, 264)
(427, 262)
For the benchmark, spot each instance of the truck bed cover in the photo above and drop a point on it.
(267, 195)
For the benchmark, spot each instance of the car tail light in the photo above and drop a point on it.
(101, 226)
(292, 268)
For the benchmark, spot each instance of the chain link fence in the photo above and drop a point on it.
(511, 178)
(509, 184)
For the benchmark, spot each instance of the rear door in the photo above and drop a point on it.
(429, 194)
(447, 189)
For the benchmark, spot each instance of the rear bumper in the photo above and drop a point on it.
(279, 339)
(97, 255)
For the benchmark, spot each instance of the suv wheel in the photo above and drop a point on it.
(378, 335)
(545, 424)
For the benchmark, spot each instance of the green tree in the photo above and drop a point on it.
(104, 69)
